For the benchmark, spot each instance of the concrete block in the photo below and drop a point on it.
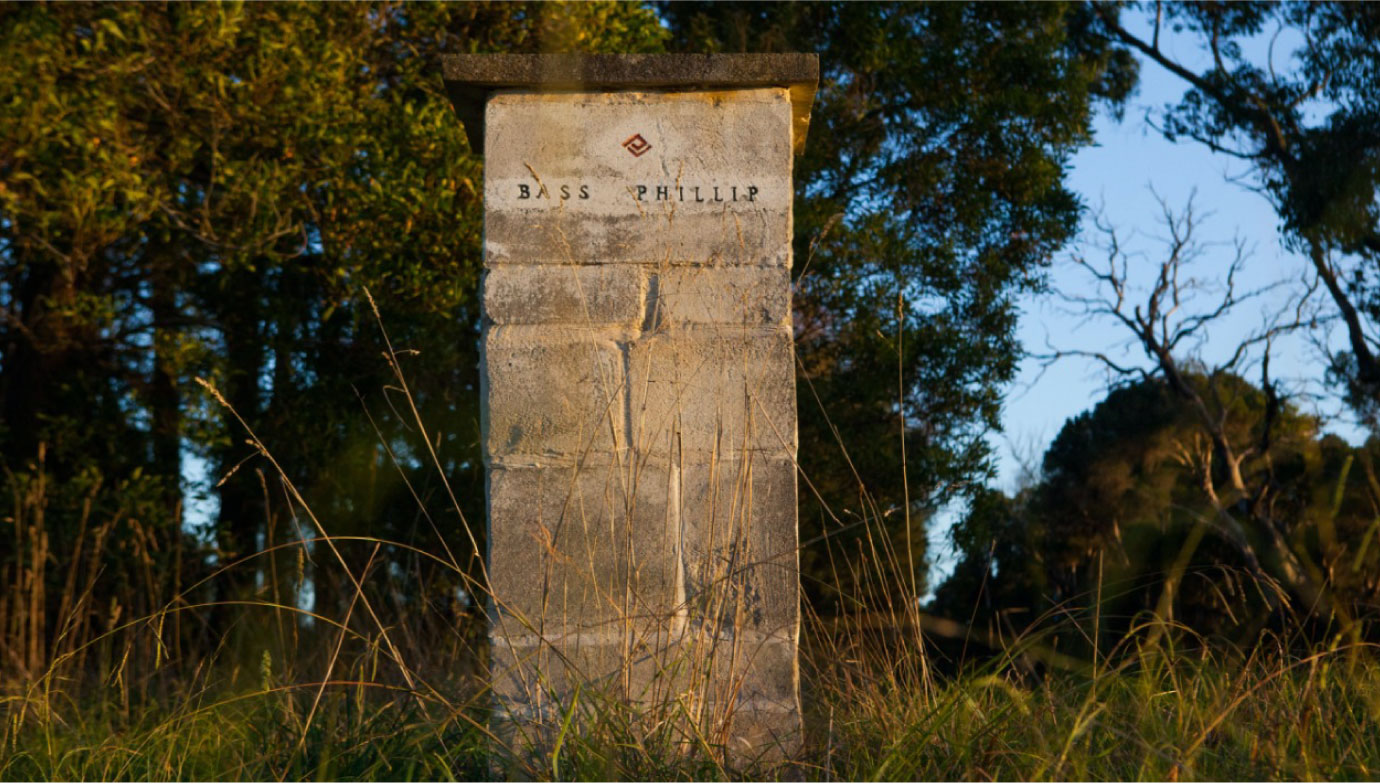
(745, 296)
(657, 235)
(586, 296)
(741, 697)
(745, 696)
(552, 393)
(739, 545)
(758, 676)
(534, 688)
(539, 678)
(611, 667)
(608, 178)
(586, 550)
(707, 392)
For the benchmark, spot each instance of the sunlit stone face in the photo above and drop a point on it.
(639, 178)
(639, 417)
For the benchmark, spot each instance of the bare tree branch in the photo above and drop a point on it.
(1168, 319)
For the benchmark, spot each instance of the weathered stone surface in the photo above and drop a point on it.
(582, 549)
(741, 696)
(535, 681)
(530, 677)
(656, 236)
(703, 392)
(587, 296)
(639, 421)
(759, 675)
(738, 534)
(564, 187)
(573, 138)
(721, 295)
(554, 393)
(763, 689)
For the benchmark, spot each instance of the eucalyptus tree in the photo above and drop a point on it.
(1304, 119)
(206, 191)
(932, 193)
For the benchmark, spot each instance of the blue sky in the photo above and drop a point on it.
(1120, 176)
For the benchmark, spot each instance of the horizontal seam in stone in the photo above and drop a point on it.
(774, 261)
(601, 458)
(764, 705)
(537, 640)
(575, 333)
(744, 636)
(523, 709)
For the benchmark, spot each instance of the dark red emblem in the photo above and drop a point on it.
(636, 145)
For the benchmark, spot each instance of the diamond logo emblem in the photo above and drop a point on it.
(636, 145)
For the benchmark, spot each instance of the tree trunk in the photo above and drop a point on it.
(241, 513)
(165, 399)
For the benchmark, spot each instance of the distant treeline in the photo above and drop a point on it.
(206, 191)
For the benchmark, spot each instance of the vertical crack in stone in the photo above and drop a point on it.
(677, 522)
(651, 316)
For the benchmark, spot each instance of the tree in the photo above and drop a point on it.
(1310, 133)
(931, 193)
(206, 191)
(1190, 448)
(1119, 524)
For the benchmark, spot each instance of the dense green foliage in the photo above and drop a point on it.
(1175, 714)
(931, 195)
(206, 191)
(1307, 122)
(1118, 525)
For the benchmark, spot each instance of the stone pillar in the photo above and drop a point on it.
(639, 385)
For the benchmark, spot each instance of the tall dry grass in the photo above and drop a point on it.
(385, 692)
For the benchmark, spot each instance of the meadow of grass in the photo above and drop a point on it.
(387, 693)
(1161, 714)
